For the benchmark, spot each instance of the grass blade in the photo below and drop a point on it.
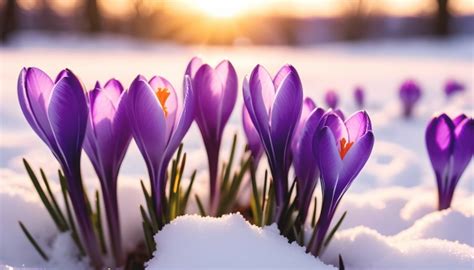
(151, 208)
(333, 231)
(33, 241)
(258, 206)
(229, 163)
(201, 208)
(53, 200)
(341, 263)
(188, 192)
(42, 195)
(313, 217)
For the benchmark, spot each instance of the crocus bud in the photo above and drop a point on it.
(410, 94)
(452, 87)
(332, 99)
(450, 147)
(359, 96)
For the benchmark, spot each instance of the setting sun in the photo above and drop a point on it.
(224, 9)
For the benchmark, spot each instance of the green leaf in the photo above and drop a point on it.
(53, 200)
(47, 204)
(313, 217)
(229, 163)
(231, 195)
(341, 263)
(258, 207)
(333, 231)
(33, 242)
(151, 208)
(201, 208)
(270, 204)
(188, 192)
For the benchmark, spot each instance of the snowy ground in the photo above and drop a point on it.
(390, 221)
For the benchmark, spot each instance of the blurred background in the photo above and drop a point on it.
(241, 22)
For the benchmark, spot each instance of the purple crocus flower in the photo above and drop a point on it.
(57, 112)
(359, 96)
(450, 146)
(332, 99)
(253, 139)
(274, 105)
(305, 163)
(346, 147)
(158, 126)
(410, 94)
(308, 106)
(452, 87)
(107, 138)
(216, 94)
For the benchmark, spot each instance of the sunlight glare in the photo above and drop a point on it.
(222, 8)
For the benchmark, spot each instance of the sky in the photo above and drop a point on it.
(235, 8)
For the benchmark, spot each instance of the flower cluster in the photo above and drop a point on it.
(321, 145)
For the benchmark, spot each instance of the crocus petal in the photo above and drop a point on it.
(193, 66)
(281, 74)
(354, 161)
(228, 77)
(68, 116)
(331, 164)
(208, 89)
(305, 159)
(102, 115)
(357, 125)
(464, 146)
(337, 126)
(262, 92)
(122, 131)
(147, 120)
(185, 120)
(440, 141)
(253, 139)
(286, 112)
(37, 90)
(113, 88)
(308, 106)
(459, 119)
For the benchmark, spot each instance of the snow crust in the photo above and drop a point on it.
(229, 242)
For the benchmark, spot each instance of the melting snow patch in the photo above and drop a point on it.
(228, 242)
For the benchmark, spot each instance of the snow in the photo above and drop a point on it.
(364, 248)
(229, 242)
(392, 218)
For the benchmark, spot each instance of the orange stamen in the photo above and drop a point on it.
(162, 94)
(345, 146)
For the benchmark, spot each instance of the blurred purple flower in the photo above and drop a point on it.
(216, 94)
(344, 148)
(107, 138)
(57, 112)
(452, 87)
(253, 139)
(332, 99)
(158, 126)
(274, 106)
(410, 94)
(450, 145)
(359, 96)
(305, 163)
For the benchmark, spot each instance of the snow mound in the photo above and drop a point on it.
(192, 241)
(364, 248)
(449, 225)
